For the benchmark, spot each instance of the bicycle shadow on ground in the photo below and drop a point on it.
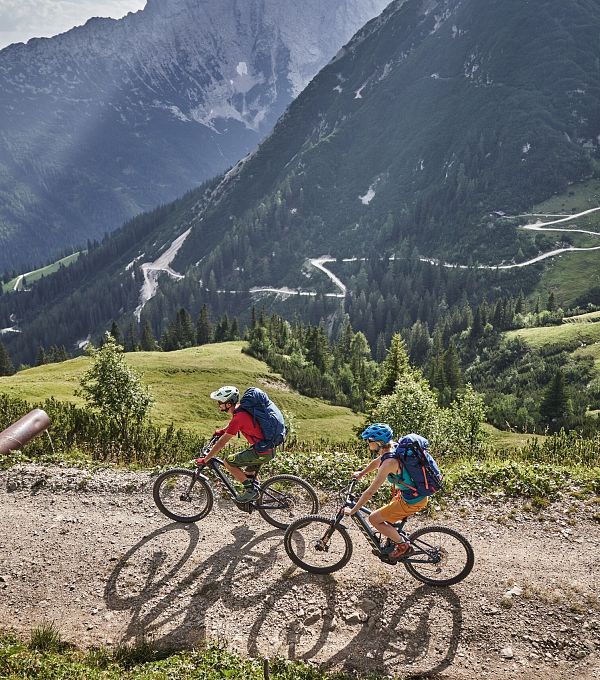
(168, 586)
(297, 618)
(414, 637)
(176, 596)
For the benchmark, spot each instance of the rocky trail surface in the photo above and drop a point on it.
(89, 551)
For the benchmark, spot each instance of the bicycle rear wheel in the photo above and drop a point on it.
(182, 496)
(317, 544)
(285, 498)
(440, 556)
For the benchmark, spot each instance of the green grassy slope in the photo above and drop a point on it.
(571, 275)
(181, 381)
(576, 332)
(30, 277)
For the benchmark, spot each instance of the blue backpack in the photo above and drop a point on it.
(413, 452)
(267, 415)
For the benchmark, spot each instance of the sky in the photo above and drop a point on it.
(24, 19)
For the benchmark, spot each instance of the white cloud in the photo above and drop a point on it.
(24, 19)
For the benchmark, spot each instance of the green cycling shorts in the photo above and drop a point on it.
(249, 459)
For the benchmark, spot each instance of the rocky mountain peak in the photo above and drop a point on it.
(116, 116)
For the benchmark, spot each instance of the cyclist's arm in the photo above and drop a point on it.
(385, 469)
(373, 465)
(220, 444)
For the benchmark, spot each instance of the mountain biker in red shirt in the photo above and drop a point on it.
(242, 422)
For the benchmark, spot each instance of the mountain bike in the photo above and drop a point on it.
(438, 556)
(187, 496)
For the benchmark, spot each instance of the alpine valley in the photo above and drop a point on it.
(408, 151)
(116, 117)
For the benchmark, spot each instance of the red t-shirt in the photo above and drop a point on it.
(243, 422)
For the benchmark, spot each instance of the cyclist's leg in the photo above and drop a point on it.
(251, 461)
(247, 460)
(256, 461)
(235, 471)
(395, 511)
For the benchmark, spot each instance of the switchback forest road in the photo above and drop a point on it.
(152, 270)
(90, 551)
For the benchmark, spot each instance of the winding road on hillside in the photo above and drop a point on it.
(152, 270)
(89, 551)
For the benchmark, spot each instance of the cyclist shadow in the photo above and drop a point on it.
(169, 597)
(296, 620)
(418, 636)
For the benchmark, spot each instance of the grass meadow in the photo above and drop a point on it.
(181, 382)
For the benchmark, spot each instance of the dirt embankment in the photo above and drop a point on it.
(91, 552)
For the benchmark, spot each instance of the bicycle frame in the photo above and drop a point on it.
(359, 518)
(216, 465)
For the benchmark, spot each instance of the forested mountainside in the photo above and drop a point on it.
(434, 116)
(116, 117)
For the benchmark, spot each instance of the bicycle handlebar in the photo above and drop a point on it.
(209, 444)
(208, 447)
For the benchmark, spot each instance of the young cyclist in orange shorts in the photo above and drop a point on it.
(405, 502)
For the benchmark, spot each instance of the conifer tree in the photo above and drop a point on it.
(41, 357)
(555, 405)
(234, 330)
(380, 348)
(393, 368)
(317, 348)
(6, 365)
(204, 329)
(222, 329)
(147, 341)
(131, 338)
(115, 331)
(520, 304)
(452, 372)
(419, 343)
(184, 329)
(476, 331)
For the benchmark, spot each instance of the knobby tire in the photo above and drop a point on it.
(286, 515)
(292, 544)
(414, 568)
(167, 500)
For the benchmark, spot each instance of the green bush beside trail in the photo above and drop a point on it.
(212, 662)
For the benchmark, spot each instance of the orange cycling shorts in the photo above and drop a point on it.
(399, 509)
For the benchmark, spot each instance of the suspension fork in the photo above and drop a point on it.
(324, 540)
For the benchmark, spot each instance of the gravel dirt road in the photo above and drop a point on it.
(90, 551)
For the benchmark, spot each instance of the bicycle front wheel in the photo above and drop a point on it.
(440, 556)
(317, 544)
(182, 496)
(286, 498)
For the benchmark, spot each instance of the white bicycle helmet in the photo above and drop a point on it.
(226, 393)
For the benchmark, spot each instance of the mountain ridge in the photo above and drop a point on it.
(117, 116)
(403, 146)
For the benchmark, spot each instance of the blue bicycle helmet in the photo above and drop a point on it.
(380, 432)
